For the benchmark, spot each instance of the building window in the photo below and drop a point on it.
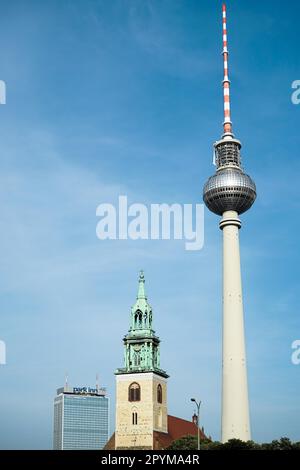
(159, 419)
(134, 392)
(159, 393)
(137, 359)
(134, 418)
(138, 319)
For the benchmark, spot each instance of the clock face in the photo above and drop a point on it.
(137, 347)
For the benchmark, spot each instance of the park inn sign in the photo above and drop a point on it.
(88, 390)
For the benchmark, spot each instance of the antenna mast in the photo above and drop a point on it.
(226, 82)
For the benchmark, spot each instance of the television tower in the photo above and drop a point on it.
(229, 193)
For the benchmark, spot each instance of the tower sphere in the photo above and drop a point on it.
(229, 190)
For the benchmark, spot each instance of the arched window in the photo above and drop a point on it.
(138, 319)
(136, 359)
(134, 392)
(159, 393)
(134, 418)
(159, 418)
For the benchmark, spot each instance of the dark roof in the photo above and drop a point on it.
(177, 428)
(110, 445)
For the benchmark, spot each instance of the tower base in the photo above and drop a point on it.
(136, 421)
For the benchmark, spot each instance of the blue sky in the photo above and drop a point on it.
(124, 97)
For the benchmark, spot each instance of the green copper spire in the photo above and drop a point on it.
(141, 311)
(141, 292)
(141, 346)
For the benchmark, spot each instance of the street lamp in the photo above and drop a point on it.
(198, 418)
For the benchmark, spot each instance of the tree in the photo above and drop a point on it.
(190, 443)
(184, 443)
(283, 444)
(237, 444)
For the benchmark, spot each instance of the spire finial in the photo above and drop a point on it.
(141, 291)
(226, 82)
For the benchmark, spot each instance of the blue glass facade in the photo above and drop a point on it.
(81, 421)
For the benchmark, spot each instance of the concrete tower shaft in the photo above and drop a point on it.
(235, 404)
(230, 192)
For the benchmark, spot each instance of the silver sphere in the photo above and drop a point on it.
(229, 190)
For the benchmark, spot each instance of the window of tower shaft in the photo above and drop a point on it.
(159, 393)
(134, 418)
(134, 392)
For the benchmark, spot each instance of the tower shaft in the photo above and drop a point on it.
(235, 406)
(229, 193)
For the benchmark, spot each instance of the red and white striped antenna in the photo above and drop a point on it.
(226, 82)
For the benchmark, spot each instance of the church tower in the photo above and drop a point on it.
(141, 385)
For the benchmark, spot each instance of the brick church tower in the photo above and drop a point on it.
(141, 385)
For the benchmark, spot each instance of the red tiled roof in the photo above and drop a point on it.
(110, 445)
(178, 428)
(161, 440)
